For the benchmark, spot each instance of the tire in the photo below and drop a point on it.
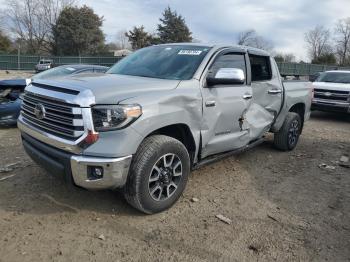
(287, 137)
(150, 187)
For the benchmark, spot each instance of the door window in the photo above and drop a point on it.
(230, 60)
(261, 68)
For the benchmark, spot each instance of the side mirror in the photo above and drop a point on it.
(226, 76)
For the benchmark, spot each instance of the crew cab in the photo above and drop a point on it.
(332, 92)
(159, 113)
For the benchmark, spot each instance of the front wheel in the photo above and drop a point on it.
(158, 174)
(287, 137)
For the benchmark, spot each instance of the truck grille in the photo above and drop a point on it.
(332, 95)
(52, 116)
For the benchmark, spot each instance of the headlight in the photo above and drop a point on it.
(114, 117)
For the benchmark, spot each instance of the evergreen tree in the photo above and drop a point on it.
(139, 38)
(326, 59)
(5, 43)
(173, 28)
(78, 32)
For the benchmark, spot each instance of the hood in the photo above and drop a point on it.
(332, 86)
(14, 83)
(111, 88)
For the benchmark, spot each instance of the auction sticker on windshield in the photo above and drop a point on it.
(190, 52)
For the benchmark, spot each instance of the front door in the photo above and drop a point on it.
(224, 107)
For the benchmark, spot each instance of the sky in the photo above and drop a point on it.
(283, 22)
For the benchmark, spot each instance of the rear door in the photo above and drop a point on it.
(266, 85)
(224, 107)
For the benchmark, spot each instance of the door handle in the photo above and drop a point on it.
(274, 91)
(210, 103)
(247, 96)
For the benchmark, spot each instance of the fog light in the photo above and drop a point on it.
(95, 172)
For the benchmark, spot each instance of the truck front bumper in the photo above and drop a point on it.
(332, 106)
(78, 169)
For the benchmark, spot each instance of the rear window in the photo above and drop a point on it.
(334, 77)
(261, 68)
(44, 62)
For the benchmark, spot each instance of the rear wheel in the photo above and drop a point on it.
(158, 174)
(287, 137)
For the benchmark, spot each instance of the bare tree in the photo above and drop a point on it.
(121, 40)
(342, 39)
(251, 38)
(318, 42)
(32, 21)
(246, 36)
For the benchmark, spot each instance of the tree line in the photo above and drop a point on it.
(57, 27)
(330, 46)
(61, 27)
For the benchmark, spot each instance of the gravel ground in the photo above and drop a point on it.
(292, 206)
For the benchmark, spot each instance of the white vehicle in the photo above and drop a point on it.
(332, 92)
(43, 64)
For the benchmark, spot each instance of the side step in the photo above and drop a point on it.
(212, 159)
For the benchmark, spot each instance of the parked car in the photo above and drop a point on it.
(11, 90)
(332, 92)
(159, 113)
(43, 64)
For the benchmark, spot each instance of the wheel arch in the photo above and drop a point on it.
(181, 132)
(299, 108)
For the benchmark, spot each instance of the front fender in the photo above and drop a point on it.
(182, 105)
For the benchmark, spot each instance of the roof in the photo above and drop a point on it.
(221, 46)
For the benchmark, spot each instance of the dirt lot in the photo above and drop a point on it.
(11, 74)
(283, 207)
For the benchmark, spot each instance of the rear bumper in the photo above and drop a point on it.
(11, 122)
(41, 68)
(77, 168)
(325, 105)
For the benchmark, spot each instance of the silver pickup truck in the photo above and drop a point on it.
(157, 114)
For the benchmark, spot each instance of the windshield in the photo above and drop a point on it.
(335, 77)
(44, 62)
(54, 72)
(177, 62)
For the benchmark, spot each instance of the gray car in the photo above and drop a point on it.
(158, 114)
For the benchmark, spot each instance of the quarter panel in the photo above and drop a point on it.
(295, 92)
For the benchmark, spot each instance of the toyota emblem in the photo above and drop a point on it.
(39, 111)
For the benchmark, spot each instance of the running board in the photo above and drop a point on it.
(215, 158)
